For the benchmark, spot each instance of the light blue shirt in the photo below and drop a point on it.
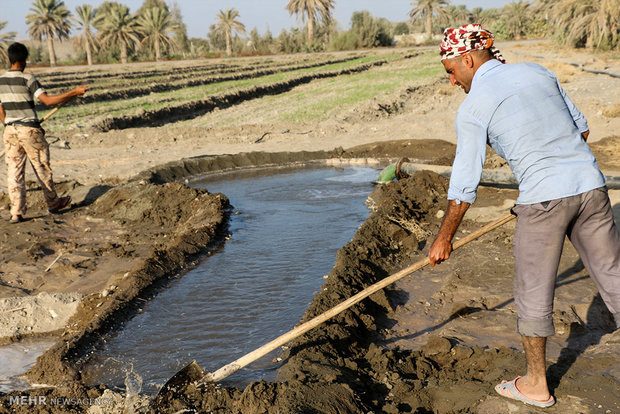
(523, 113)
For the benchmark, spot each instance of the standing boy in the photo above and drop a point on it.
(23, 135)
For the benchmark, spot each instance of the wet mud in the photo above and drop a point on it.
(153, 227)
(343, 365)
(338, 367)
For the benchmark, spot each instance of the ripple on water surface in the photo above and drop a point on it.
(287, 226)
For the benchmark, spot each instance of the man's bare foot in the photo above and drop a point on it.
(509, 389)
(538, 391)
(17, 218)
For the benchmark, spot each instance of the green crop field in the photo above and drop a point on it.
(305, 89)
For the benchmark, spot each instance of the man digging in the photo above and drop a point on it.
(523, 113)
(23, 135)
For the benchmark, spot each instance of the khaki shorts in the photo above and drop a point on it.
(587, 220)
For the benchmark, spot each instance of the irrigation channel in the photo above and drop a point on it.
(286, 228)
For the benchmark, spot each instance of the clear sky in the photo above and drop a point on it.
(198, 15)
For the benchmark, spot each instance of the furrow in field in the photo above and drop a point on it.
(153, 87)
(122, 73)
(68, 79)
(85, 114)
(381, 92)
(168, 77)
(190, 110)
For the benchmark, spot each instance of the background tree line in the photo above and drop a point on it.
(111, 33)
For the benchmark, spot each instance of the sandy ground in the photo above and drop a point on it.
(115, 236)
(428, 113)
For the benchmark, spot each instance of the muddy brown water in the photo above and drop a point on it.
(286, 228)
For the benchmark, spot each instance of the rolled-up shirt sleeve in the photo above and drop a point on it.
(469, 159)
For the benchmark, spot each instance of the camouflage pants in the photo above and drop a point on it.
(21, 142)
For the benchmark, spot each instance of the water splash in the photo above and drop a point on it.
(133, 387)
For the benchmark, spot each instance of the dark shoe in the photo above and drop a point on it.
(62, 203)
(19, 219)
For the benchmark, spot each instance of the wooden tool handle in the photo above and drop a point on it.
(234, 366)
(482, 230)
(53, 111)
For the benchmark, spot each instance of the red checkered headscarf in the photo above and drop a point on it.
(457, 42)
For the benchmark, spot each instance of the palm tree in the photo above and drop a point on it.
(476, 15)
(459, 15)
(180, 38)
(516, 15)
(49, 19)
(85, 18)
(120, 28)
(102, 11)
(311, 10)
(426, 9)
(227, 23)
(590, 23)
(5, 40)
(155, 24)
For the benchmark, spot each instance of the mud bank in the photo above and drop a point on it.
(117, 245)
(423, 151)
(116, 251)
(337, 367)
(171, 222)
(158, 226)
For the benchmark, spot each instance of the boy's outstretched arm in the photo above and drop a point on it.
(51, 100)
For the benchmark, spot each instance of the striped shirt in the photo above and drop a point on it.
(17, 93)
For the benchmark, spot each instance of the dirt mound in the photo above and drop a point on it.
(427, 151)
(165, 206)
(126, 244)
(337, 367)
(606, 152)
